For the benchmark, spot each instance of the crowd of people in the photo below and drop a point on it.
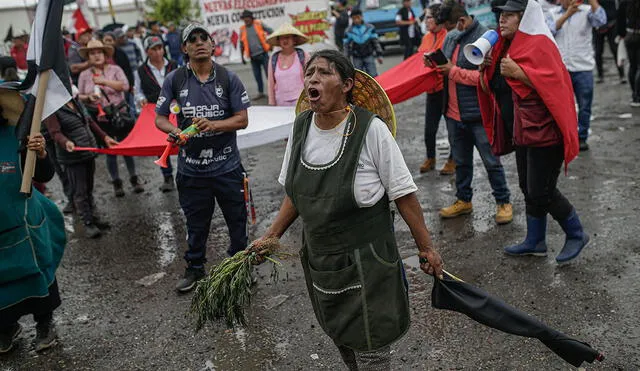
(349, 245)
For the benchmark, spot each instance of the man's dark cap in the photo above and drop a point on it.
(246, 14)
(513, 6)
(191, 28)
(356, 11)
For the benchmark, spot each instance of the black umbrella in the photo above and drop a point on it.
(454, 294)
(112, 26)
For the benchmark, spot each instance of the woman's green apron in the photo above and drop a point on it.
(32, 235)
(351, 263)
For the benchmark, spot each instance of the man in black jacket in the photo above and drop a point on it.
(151, 75)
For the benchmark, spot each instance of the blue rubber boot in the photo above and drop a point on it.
(534, 243)
(575, 241)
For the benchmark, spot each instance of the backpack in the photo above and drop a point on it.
(182, 75)
(274, 60)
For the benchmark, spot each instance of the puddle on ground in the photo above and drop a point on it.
(165, 235)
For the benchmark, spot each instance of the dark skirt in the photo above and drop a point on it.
(35, 306)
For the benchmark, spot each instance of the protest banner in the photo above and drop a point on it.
(222, 19)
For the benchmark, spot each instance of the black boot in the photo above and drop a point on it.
(117, 188)
(7, 336)
(168, 184)
(136, 184)
(46, 335)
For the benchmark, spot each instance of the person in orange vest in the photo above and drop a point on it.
(253, 35)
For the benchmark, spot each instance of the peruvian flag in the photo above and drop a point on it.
(77, 23)
(535, 50)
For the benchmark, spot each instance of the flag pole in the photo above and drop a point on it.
(30, 163)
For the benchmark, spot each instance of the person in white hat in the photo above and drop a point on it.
(286, 66)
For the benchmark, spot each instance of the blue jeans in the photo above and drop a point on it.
(112, 166)
(259, 62)
(465, 137)
(366, 64)
(583, 88)
(198, 197)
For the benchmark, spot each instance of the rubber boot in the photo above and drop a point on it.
(576, 239)
(117, 188)
(167, 185)
(534, 243)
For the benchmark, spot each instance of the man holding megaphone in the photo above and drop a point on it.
(463, 115)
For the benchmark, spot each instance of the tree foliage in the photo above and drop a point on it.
(176, 11)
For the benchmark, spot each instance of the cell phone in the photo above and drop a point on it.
(437, 57)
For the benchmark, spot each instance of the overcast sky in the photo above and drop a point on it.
(92, 3)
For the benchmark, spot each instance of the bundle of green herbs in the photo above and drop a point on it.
(225, 293)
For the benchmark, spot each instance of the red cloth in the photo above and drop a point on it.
(408, 79)
(144, 140)
(20, 55)
(534, 50)
(79, 23)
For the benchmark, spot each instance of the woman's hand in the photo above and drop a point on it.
(431, 262)
(99, 80)
(93, 98)
(110, 142)
(509, 68)
(486, 63)
(37, 144)
(257, 247)
(70, 146)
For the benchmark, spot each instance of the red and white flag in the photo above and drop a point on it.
(535, 50)
(77, 23)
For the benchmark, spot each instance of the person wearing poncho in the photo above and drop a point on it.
(32, 236)
(341, 169)
(526, 98)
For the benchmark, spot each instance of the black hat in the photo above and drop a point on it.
(513, 6)
(246, 14)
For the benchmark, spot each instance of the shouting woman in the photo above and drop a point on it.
(341, 169)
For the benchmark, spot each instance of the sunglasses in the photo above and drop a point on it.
(194, 37)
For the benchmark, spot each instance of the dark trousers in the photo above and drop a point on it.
(40, 307)
(466, 136)
(583, 89)
(60, 171)
(80, 177)
(598, 44)
(432, 116)
(632, 42)
(409, 48)
(198, 197)
(258, 63)
(538, 170)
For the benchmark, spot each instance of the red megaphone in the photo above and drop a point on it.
(101, 112)
(162, 161)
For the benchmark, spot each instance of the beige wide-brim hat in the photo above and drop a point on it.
(94, 45)
(287, 29)
(12, 105)
(367, 94)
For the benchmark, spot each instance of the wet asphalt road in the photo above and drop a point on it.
(109, 320)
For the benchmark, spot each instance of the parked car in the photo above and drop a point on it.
(383, 18)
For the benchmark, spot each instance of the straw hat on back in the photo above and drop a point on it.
(95, 45)
(287, 29)
(11, 104)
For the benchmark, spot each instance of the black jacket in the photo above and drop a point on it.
(148, 83)
(628, 16)
(121, 59)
